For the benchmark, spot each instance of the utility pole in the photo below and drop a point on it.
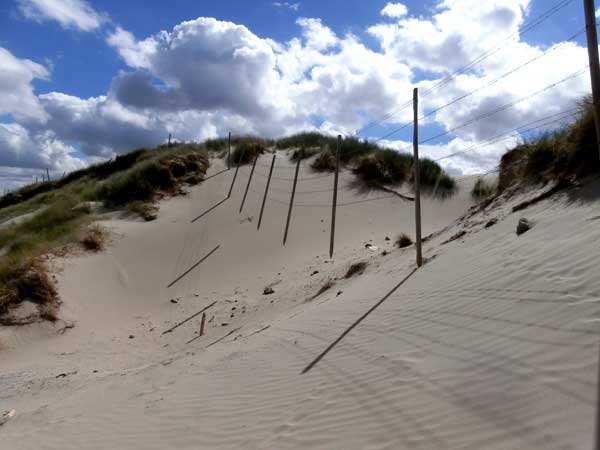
(417, 177)
(592, 45)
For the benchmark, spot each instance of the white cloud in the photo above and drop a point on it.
(21, 149)
(206, 77)
(76, 14)
(16, 92)
(292, 6)
(394, 10)
(316, 34)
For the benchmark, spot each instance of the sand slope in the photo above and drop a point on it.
(492, 344)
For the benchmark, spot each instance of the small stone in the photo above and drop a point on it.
(131, 336)
(339, 293)
(523, 226)
(387, 238)
(491, 223)
(268, 291)
(174, 301)
(314, 273)
(224, 324)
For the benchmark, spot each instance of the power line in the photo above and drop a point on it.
(485, 55)
(505, 135)
(488, 84)
(506, 106)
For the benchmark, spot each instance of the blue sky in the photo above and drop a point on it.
(352, 63)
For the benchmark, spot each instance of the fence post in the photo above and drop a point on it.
(169, 144)
(202, 324)
(417, 177)
(229, 153)
(237, 168)
(48, 173)
(262, 208)
(249, 181)
(335, 189)
(592, 45)
(287, 224)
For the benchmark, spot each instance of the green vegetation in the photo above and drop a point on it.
(58, 213)
(371, 163)
(247, 148)
(483, 189)
(567, 152)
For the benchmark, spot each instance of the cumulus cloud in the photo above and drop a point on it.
(75, 14)
(16, 92)
(206, 77)
(394, 10)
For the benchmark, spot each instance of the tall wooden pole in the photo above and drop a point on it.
(289, 216)
(417, 177)
(262, 208)
(335, 189)
(592, 44)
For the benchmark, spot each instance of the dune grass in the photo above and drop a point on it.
(127, 182)
(483, 189)
(372, 164)
(570, 151)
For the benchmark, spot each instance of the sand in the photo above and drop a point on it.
(492, 344)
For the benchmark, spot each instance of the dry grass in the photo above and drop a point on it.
(570, 151)
(403, 241)
(356, 269)
(94, 238)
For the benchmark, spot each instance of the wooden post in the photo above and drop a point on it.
(417, 177)
(592, 45)
(229, 153)
(289, 216)
(237, 168)
(48, 173)
(262, 208)
(249, 181)
(335, 189)
(169, 144)
(202, 324)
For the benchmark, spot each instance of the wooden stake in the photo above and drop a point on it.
(48, 173)
(592, 45)
(169, 144)
(417, 177)
(262, 208)
(229, 153)
(202, 324)
(248, 185)
(188, 319)
(237, 168)
(335, 189)
(289, 216)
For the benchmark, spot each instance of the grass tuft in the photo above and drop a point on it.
(403, 241)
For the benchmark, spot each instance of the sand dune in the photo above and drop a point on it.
(492, 344)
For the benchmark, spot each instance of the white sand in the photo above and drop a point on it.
(492, 344)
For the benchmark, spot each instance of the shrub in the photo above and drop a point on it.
(325, 162)
(246, 149)
(384, 167)
(93, 239)
(482, 189)
(403, 241)
(303, 153)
